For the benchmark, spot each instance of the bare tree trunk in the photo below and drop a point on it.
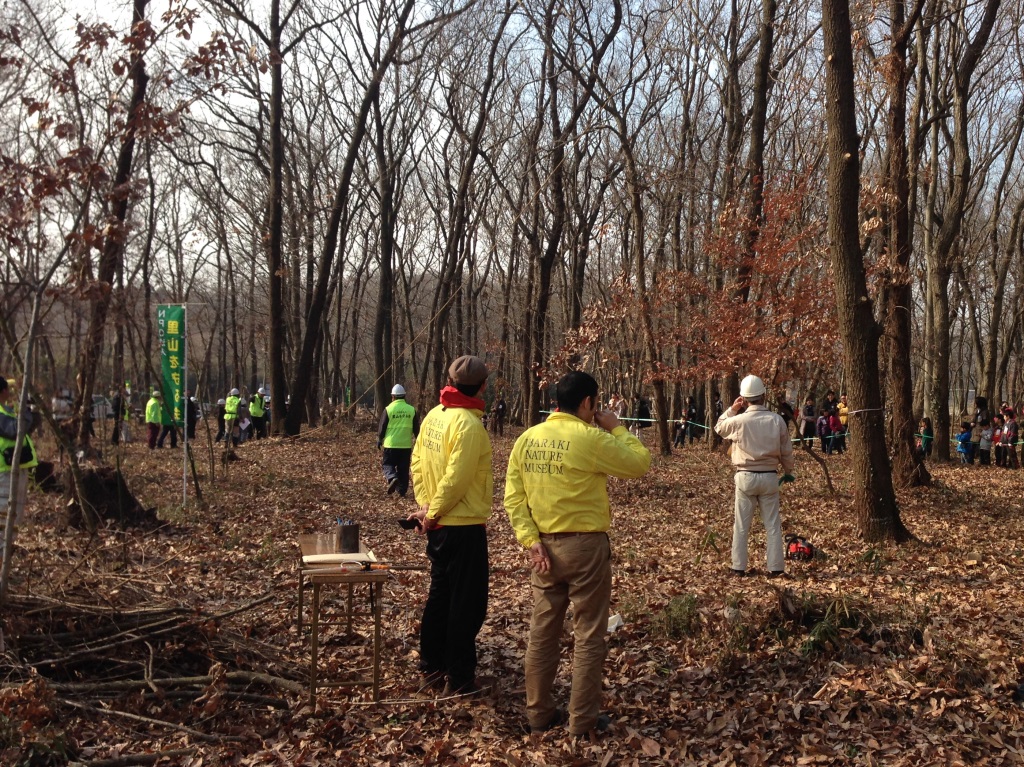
(896, 295)
(940, 257)
(113, 244)
(384, 320)
(314, 326)
(275, 225)
(874, 498)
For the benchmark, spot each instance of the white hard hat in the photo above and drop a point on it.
(233, 392)
(221, 402)
(751, 386)
(261, 390)
(398, 390)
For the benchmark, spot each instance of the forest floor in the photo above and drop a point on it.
(179, 645)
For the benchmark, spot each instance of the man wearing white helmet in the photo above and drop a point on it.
(258, 413)
(760, 443)
(399, 424)
(231, 417)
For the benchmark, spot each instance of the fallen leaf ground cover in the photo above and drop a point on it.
(180, 645)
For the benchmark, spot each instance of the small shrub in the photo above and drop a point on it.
(874, 559)
(710, 541)
(680, 618)
(826, 629)
(633, 608)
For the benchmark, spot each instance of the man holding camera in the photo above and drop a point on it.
(760, 443)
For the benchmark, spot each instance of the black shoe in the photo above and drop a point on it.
(603, 723)
(737, 573)
(392, 485)
(777, 574)
(557, 719)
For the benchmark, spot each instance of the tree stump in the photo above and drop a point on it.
(107, 498)
(46, 477)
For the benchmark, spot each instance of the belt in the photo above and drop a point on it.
(748, 471)
(556, 536)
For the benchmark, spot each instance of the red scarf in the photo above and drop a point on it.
(452, 397)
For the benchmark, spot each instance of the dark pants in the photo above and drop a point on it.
(152, 430)
(808, 433)
(985, 456)
(395, 461)
(456, 603)
(163, 435)
(1010, 457)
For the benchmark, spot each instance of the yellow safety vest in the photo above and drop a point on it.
(7, 448)
(399, 431)
(256, 406)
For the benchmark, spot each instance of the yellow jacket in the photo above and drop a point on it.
(153, 408)
(8, 436)
(451, 466)
(558, 476)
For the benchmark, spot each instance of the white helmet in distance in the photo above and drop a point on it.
(261, 390)
(752, 386)
(233, 393)
(398, 390)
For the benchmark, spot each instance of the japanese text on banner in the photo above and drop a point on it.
(170, 324)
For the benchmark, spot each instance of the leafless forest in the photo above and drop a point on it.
(347, 195)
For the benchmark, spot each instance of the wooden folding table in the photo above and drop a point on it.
(318, 568)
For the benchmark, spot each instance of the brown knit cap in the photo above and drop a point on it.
(468, 370)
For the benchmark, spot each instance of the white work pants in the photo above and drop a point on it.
(755, 490)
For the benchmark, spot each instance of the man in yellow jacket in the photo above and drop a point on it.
(231, 405)
(154, 418)
(451, 468)
(557, 500)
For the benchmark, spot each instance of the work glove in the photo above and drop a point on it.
(786, 478)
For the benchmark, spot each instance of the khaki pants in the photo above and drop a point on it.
(580, 573)
(757, 491)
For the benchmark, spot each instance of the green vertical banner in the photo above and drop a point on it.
(170, 324)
